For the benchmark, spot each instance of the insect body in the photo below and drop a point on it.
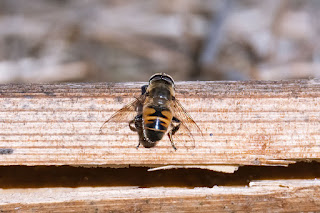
(158, 112)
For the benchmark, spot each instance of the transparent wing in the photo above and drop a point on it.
(126, 113)
(188, 125)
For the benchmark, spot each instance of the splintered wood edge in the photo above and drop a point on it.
(243, 123)
(216, 168)
(259, 196)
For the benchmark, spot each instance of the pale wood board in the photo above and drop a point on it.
(243, 123)
(262, 196)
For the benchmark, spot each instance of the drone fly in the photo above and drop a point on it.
(157, 112)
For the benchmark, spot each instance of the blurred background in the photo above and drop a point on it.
(119, 40)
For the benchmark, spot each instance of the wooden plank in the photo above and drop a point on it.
(262, 196)
(243, 123)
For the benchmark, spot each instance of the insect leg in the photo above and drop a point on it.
(170, 137)
(137, 121)
(138, 145)
(133, 128)
(134, 124)
(174, 129)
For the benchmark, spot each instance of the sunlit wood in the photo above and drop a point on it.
(243, 123)
(263, 196)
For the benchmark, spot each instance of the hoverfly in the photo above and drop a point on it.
(157, 111)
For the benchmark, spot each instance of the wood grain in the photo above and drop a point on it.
(263, 196)
(243, 123)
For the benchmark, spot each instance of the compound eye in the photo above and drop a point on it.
(168, 79)
(155, 78)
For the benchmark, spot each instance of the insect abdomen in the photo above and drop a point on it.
(156, 122)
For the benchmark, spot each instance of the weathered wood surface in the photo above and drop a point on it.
(243, 123)
(264, 196)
